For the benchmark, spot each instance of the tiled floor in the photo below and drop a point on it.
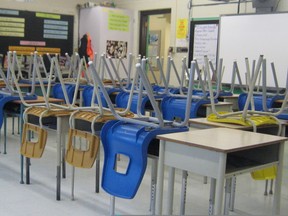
(39, 198)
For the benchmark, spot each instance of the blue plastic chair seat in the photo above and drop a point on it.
(131, 140)
(258, 100)
(173, 107)
(88, 92)
(57, 91)
(4, 99)
(122, 101)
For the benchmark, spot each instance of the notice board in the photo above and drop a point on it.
(203, 40)
(28, 31)
(252, 35)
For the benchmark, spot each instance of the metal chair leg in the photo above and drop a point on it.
(266, 188)
(233, 192)
(73, 183)
(271, 187)
(112, 205)
(97, 177)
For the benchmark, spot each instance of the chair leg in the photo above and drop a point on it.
(13, 125)
(5, 133)
(183, 192)
(233, 192)
(205, 180)
(18, 127)
(112, 205)
(97, 177)
(271, 186)
(73, 183)
(63, 157)
(266, 188)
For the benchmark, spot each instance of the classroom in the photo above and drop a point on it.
(143, 107)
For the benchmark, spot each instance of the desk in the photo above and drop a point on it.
(205, 152)
(220, 107)
(232, 99)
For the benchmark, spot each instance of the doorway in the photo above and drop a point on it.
(155, 30)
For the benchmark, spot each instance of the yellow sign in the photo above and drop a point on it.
(181, 31)
(46, 15)
(8, 29)
(10, 19)
(12, 34)
(48, 50)
(9, 24)
(118, 21)
(26, 49)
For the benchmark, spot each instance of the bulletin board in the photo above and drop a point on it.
(203, 40)
(27, 31)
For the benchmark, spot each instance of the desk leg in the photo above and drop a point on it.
(58, 175)
(27, 170)
(160, 177)
(212, 196)
(5, 132)
(220, 183)
(183, 192)
(97, 177)
(227, 196)
(278, 182)
(63, 148)
(153, 184)
(170, 192)
(21, 156)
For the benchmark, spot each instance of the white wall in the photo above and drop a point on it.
(283, 5)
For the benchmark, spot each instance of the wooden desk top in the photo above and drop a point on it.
(222, 139)
(204, 121)
(219, 104)
(230, 96)
(279, 101)
(40, 99)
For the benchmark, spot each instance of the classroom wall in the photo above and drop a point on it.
(283, 5)
(179, 10)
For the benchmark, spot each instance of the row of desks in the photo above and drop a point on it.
(191, 145)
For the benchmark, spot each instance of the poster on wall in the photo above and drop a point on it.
(116, 49)
(29, 31)
(204, 41)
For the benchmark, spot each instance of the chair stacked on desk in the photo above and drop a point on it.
(85, 126)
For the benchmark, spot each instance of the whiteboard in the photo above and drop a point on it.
(250, 36)
(204, 40)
